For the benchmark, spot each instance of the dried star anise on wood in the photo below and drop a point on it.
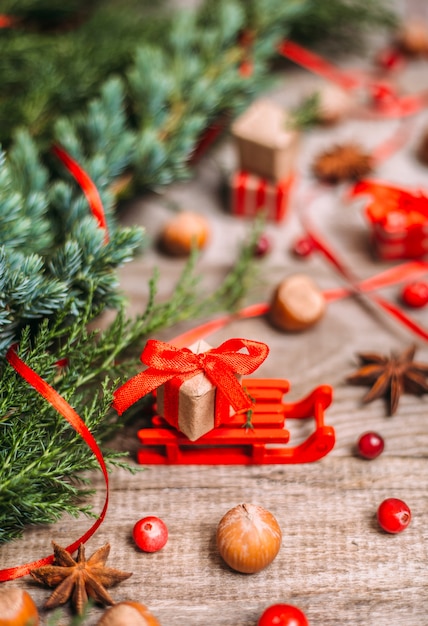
(391, 376)
(79, 579)
(342, 162)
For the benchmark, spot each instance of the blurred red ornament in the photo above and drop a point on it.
(415, 294)
(303, 247)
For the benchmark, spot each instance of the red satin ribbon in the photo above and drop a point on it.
(62, 406)
(390, 277)
(316, 64)
(386, 198)
(386, 100)
(88, 187)
(360, 288)
(220, 364)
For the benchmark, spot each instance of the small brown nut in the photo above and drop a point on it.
(248, 538)
(422, 150)
(127, 614)
(413, 37)
(17, 608)
(297, 304)
(183, 232)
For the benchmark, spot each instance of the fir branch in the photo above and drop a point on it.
(78, 60)
(340, 25)
(42, 460)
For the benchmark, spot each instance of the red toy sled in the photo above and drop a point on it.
(233, 444)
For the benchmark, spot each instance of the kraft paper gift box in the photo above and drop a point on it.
(196, 405)
(266, 146)
(250, 194)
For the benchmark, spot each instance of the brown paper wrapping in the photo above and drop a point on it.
(196, 401)
(266, 146)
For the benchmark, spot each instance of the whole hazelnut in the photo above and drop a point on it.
(128, 613)
(17, 608)
(412, 37)
(248, 538)
(186, 230)
(422, 149)
(297, 304)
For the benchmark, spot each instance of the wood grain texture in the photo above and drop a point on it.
(335, 563)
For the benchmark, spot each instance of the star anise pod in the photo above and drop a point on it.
(79, 579)
(391, 376)
(342, 162)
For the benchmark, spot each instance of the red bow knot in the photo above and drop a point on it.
(219, 365)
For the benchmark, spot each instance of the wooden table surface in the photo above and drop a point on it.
(334, 563)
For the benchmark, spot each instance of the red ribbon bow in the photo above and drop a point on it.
(387, 198)
(219, 365)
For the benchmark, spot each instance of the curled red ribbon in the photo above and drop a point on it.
(387, 102)
(399, 219)
(386, 197)
(318, 65)
(220, 364)
(88, 187)
(358, 287)
(62, 406)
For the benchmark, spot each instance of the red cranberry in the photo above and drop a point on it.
(263, 246)
(282, 615)
(150, 533)
(370, 445)
(390, 59)
(415, 294)
(383, 94)
(393, 515)
(303, 246)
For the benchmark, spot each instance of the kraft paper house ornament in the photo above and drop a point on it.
(266, 144)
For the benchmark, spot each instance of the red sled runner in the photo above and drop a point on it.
(265, 442)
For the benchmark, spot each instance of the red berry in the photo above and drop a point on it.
(303, 246)
(150, 534)
(393, 515)
(390, 58)
(282, 615)
(263, 246)
(415, 294)
(370, 445)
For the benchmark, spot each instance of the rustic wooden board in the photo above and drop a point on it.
(335, 563)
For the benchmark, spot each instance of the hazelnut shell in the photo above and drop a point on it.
(183, 232)
(17, 608)
(297, 304)
(413, 38)
(127, 613)
(248, 538)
